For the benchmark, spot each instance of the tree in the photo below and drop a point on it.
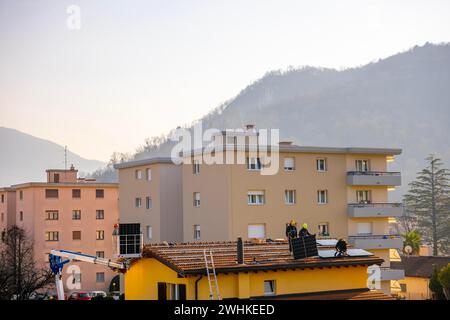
(444, 279)
(19, 276)
(412, 239)
(436, 286)
(428, 198)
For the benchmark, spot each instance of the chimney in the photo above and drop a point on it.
(249, 127)
(240, 251)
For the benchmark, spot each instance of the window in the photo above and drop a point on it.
(100, 235)
(76, 214)
(364, 228)
(100, 277)
(269, 287)
(76, 235)
(362, 165)
(56, 177)
(289, 164)
(196, 167)
(196, 197)
(403, 287)
(21, 195)
(76, 193)
(149, 174)
(138, 202)
(51, 215)
(149, 232)
(255, 197)
(323, 229)
(51, 193)
(52, 236)
(197, 232)
(138, 174)
(322, 196)
(171, 291)
(256, 231)
(21, 215)
(76, 279)
(363, 196)
(3, 198)
(253, 163)
(289, 196)
(100, 254)
(99, 193)
(321, 164)
(3, 216)
(99, 214)
(148, 202)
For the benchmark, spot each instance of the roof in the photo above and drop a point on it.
(358, 294)
(301, 149)
(421, 267)
(142, 162)
(65, 184)
(187, 258)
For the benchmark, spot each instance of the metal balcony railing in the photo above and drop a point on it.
(376, 237)
(374, 205)
(373, 173)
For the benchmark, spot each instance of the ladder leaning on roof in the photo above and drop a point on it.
(212, 279)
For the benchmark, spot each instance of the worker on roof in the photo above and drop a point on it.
(341, 248)
(291, 232)
(304, 231)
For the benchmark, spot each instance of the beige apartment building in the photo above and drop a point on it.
(68, 213)
(150, 203)
(338, 192)
(7, 207)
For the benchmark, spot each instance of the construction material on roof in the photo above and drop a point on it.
(188, 258)
(304, 247)
(342, 295)
(421, 267)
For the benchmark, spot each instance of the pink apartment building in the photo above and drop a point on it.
(68, 213)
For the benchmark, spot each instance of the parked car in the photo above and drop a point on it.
(95, 294)
(80, 295)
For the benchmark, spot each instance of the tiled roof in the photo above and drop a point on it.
(364, 294)
(421, 267)
(187, 258)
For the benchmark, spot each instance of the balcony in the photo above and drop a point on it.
(373, 210)
(376, 241)
(391, 274)
(373, 178)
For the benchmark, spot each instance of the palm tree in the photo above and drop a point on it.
(412, 239)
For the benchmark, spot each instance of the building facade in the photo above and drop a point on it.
(7, 207)
(71, 214)
(150, 199)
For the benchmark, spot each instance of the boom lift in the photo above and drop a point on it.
(57, 263)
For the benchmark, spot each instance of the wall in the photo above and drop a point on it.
(416, 288)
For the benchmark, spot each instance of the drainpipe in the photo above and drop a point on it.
(196, 286)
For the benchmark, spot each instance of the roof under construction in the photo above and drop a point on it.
(188, 258)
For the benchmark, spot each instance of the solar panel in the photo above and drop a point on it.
(326, 254)
(304, 247)
(327, 242)
(359, 253)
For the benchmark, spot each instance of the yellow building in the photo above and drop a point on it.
(268, 271)
(418, 271)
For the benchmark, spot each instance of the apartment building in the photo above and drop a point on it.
(338, 192)
(7, 207)
(150, 203)
(69, 213)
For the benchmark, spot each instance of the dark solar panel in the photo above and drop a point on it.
(304, 247)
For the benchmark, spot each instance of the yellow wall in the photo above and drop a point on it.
(416, 288)
(141, 281)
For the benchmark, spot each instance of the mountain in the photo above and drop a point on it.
(402, 101)
(25, 158)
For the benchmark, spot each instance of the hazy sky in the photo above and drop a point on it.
(140, 68)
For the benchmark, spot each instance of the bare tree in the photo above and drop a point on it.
(428, 199)
(19, 276)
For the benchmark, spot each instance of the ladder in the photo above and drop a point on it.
(212, 279)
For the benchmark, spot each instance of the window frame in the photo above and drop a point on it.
(76, 214)
(325, 192)
(197, 232)
(196, 202)
(99, 214)
(50, 215)
(272, 284)
(286, 168)
(99, 234)
(325, 165)
(286, 197)
(258, 195)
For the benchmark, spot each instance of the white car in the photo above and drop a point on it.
(94, 294)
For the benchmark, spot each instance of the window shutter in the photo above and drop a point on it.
(162, 291)
(289, 162)
(182, 291)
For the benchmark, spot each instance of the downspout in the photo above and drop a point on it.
(196, 286)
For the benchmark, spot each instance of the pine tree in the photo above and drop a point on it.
(429, 199)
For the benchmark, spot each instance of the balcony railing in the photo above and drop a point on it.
(376, 241)
(372, 178)
(369, 210)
